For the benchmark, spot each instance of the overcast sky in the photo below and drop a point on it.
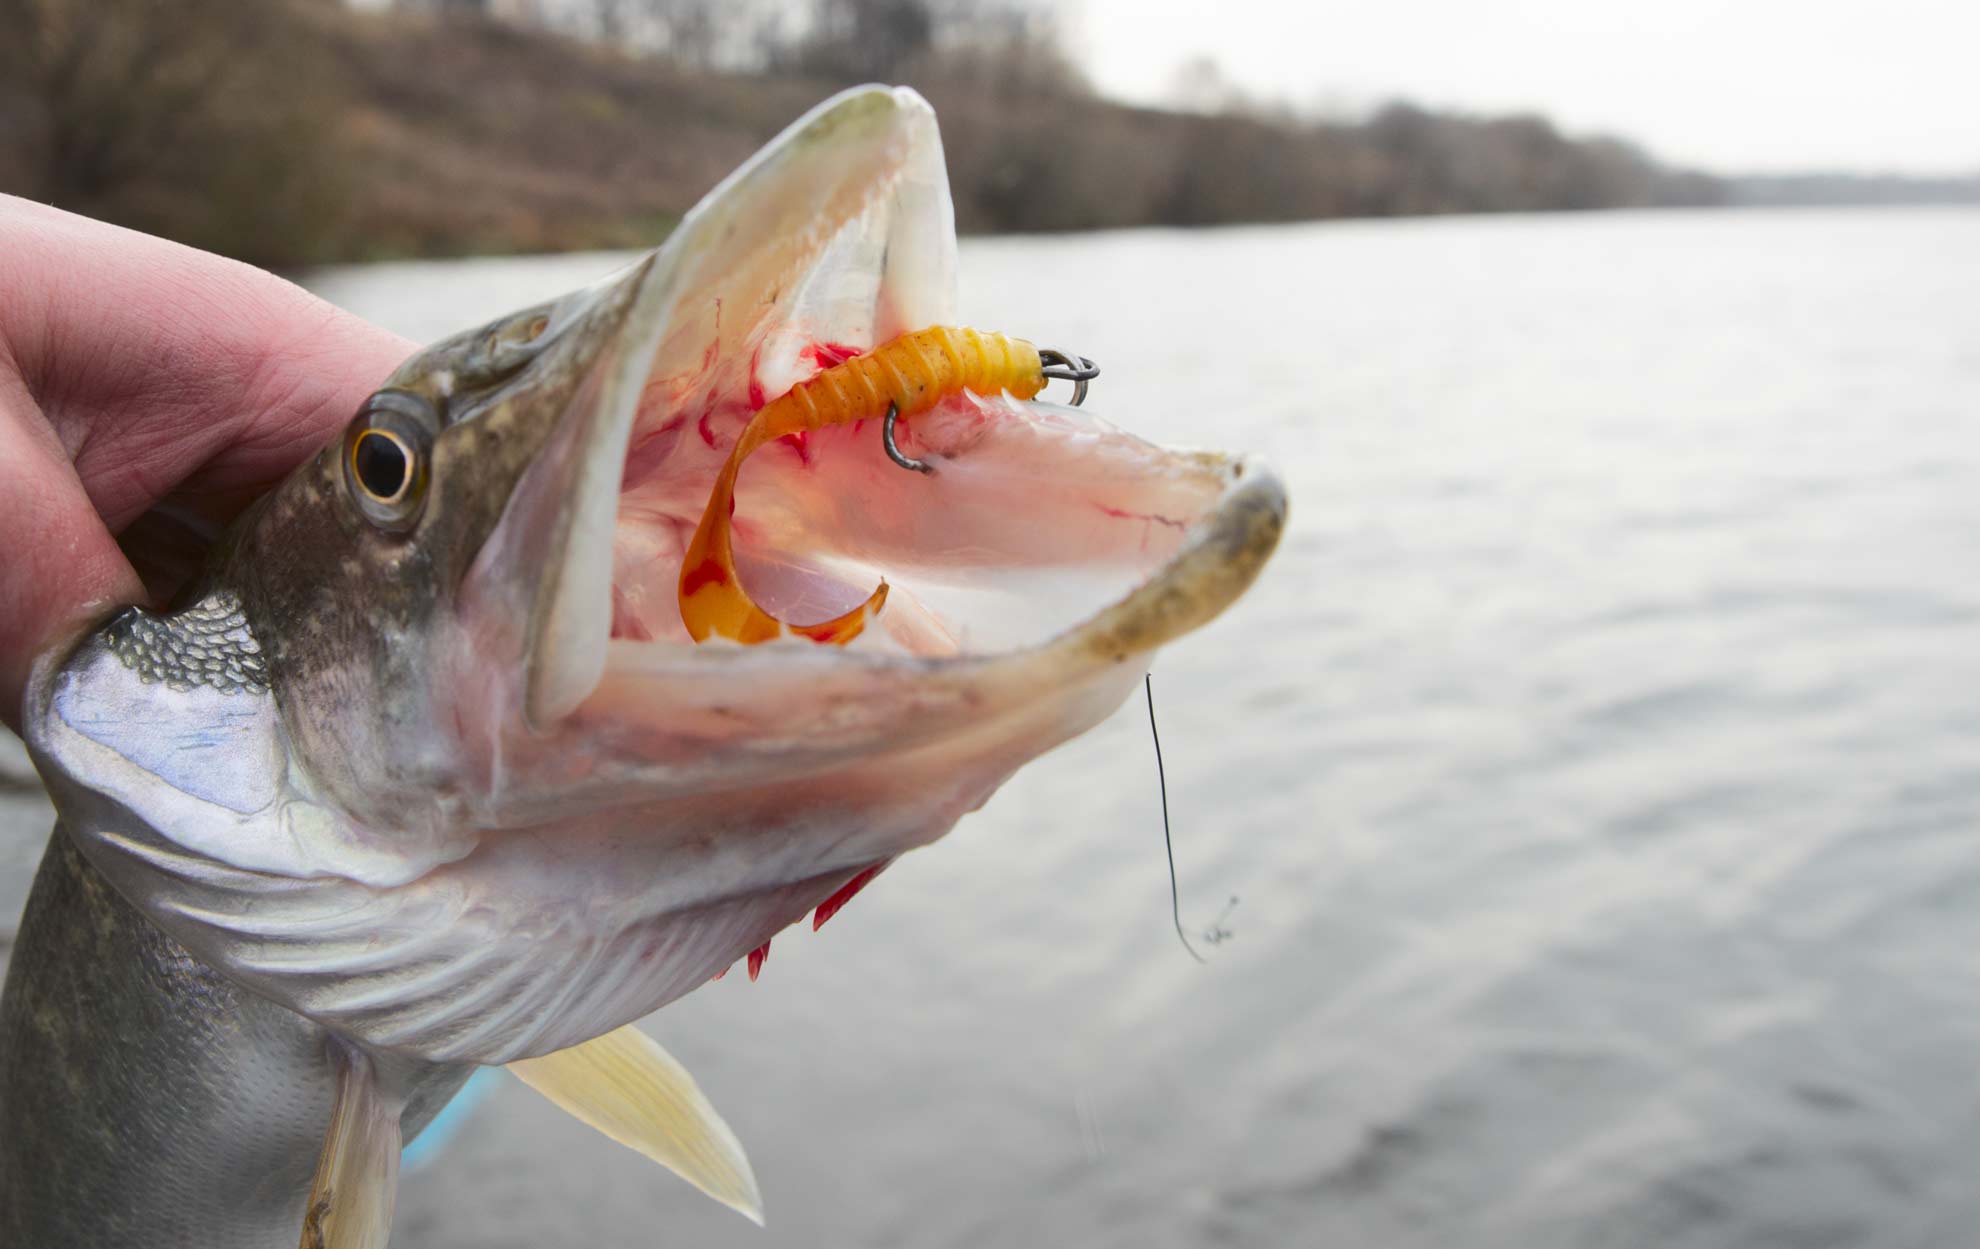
(1730, 85)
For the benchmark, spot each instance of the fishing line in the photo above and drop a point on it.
(1217, 934)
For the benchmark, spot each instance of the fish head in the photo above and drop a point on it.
(428, 753)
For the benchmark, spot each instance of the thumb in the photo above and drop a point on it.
(61, 567)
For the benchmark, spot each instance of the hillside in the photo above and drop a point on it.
(334, 134)
(1825, 189)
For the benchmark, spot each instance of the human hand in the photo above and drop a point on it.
(148, 392)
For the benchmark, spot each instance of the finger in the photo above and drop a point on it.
(165, 370)
(135, 371)
(62, 568)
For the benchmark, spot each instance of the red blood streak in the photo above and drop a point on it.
(707, 572)
(832, 905)
(756, 958)
(756, 396)
(800, 441)
(714, 348)
(831, 355)
(707, 434)
(1118, 514)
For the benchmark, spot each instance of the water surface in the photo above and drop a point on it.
(1598, 767)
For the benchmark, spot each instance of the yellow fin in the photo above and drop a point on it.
(633, 1091)
(357, 1175)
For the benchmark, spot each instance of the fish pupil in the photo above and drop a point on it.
(382, 464)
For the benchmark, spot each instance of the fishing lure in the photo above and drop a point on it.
(901, 377)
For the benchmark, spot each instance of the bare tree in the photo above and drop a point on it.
(130, 103)
(694, 31)
(474, 8)
(867, 39)
(687, 31)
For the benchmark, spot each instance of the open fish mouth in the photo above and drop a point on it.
(1044, 553)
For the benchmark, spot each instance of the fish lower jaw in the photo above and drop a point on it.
(1067, 645)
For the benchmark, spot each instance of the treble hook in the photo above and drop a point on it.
(894, 453)
(1065, 367)
(1059, 366)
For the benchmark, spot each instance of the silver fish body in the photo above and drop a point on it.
(148, 1099)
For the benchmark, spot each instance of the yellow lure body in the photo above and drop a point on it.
(913, 372)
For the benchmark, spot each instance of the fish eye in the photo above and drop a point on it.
(383, 465)
(386, 454)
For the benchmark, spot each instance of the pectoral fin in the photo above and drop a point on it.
(357, 1176)
(633, 1091)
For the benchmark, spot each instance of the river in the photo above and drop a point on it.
(1597, 769)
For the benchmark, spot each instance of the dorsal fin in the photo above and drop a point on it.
(357, 1175)
(633, 1091)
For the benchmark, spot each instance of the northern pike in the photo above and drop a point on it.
(424, 771)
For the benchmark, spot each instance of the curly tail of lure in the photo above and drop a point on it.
(899, 378)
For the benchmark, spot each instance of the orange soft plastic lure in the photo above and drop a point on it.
(913, 373)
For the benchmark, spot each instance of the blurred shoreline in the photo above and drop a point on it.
(305, 132)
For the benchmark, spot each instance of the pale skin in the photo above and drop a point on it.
(148, 392)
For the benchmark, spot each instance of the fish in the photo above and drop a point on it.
(423, 772)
